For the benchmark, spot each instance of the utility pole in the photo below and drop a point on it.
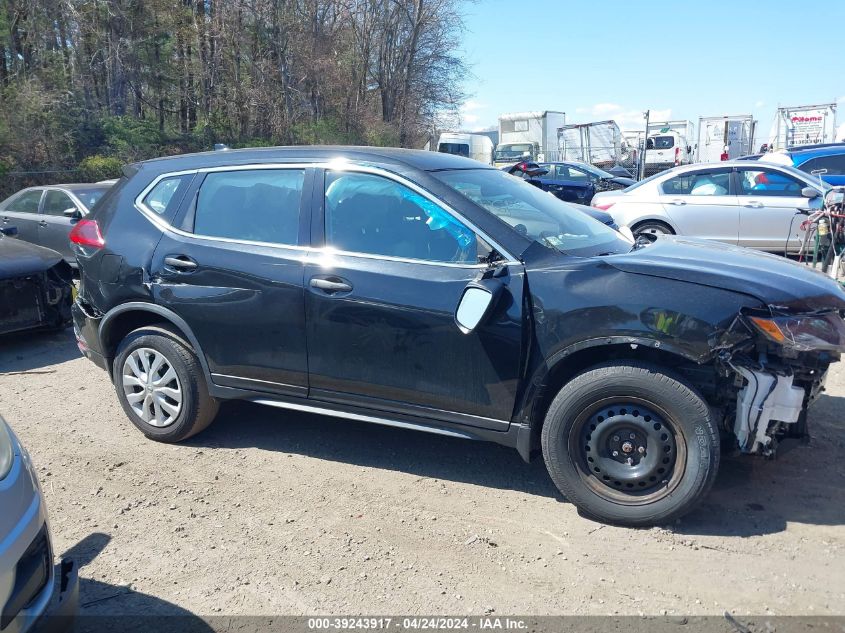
(641, 175)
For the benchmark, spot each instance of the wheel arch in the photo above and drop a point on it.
(125, 318)
(567, 363)
(654, 220)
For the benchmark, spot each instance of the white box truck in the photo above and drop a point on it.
(598, 143)
(528, 136)
(724, 137)
(476, 146)
(668, 144)
(803, 125)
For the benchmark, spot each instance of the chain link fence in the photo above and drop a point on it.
(14, 181)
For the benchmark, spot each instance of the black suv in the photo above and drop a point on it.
(427, 291)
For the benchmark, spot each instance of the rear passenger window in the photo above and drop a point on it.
(699, 183)
(259, 205)
(164, 198)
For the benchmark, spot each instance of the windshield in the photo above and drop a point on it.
(513, 152)
(640, 183)
(89, 197)
(534, 213)
(590, 169)
(459, 149)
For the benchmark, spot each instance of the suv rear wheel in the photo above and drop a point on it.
(631, 444)
(161, 387)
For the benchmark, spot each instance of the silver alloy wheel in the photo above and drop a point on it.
(152, 387)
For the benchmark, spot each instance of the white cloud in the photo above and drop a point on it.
(759, 104)
(840, 99)
(606, 108)
(471, 106)
(469, 119)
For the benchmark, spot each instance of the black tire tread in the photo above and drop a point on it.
(202, 408)
(667, 380)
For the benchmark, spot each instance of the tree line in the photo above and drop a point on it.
(87, 85)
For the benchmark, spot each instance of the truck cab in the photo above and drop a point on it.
(510, 153)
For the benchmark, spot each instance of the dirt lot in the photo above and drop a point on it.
(270, 512)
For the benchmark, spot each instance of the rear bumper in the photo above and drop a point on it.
(86, 329)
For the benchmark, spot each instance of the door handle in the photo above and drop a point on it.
(330, 285)
(180, 262)
(42, 223)
(678, 202)
(6, 219)
(754, 205)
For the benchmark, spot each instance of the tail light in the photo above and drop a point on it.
(603, 206)
(87, 233)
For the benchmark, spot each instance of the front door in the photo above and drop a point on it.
(54, 225)
(233, 272)
(769, 200)
(700, 204)
(380, 304)
(22, 212)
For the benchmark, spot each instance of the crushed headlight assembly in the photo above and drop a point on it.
(803, 333)
(7, 450)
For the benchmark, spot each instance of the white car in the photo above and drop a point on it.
(750, 203)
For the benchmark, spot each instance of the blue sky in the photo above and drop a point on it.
(612, 59)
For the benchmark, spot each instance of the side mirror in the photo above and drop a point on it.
(11, 231)
(810, 192)
(72, 212)
(478, 300)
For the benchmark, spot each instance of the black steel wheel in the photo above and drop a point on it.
(628, 451)
(630, 444)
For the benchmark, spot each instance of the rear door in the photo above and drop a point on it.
(380, 304)
(54, 224)
(769, 200)
(232, 269)
(22, 212)
(700, 204)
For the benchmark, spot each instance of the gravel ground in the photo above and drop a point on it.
(269, 512)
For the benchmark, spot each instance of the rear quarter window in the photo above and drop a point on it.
(166, 196)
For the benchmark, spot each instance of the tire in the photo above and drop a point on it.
(622, 408)
(653, 228)
(177, 405)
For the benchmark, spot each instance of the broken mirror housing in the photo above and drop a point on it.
(803, 333)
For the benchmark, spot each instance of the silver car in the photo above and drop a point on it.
(45, 215)
(749, 203)
(35, 594)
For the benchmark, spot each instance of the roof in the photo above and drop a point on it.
(826, 149)
(416, 159)
(76, 186)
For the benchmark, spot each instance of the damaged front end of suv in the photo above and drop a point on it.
(776, 371)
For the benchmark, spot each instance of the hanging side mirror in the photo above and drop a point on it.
(72, 212)
(9, 231)
(479, 299)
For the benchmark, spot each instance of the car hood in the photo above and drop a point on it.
(621, 180)
(776, 281)
(18, 258)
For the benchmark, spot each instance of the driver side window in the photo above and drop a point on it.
(371, 214)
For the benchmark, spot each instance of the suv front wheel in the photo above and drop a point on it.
(160, 385)
(631, 444)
